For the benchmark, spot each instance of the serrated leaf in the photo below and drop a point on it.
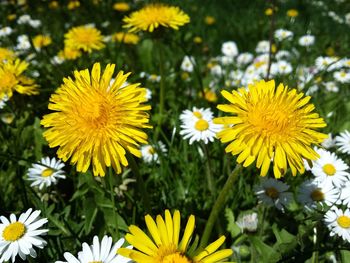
(231, 223)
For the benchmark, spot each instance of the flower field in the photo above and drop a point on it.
(174, 131)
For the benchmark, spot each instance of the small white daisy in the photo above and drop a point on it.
(248, 222)
(272, 192)
(284, 67)
(342, 76)
(5, 31)
(263, 47)
(18, 237)
(217, 71)
(153, 78)
(283, 34)
(187, 64)
(244, 58)
(312, 192)
(307, 40)
(338, 222)
(149, 153)
(101, 252)
(148, 94)
(330, 169)
(229, 49)
(343, 141)
(282, 54)
(323, 63)
(199, 127)
(331, 86)
(196, 113)
(46, 173)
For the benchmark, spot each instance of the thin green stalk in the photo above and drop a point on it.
(219, 204)
(140, 183)
(114, 217)
(209, 171)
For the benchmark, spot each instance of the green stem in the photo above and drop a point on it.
(314, 258)
(140, 183)
(114, 217)
(208, 171)
(218, 206)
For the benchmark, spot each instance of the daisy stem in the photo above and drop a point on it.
(219, 204)
(208, 170)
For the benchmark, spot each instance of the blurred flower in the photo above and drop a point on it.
(292, 13)
(197, 40)
(199, 127)
(95, 123)
(100, 251)
(164, 245)
(7, 118)
(18, 237)
(6, 54)
(338, 222)
(13, 79)
(46, 174)
(282, 54)
(85, 38)
(329, 169)
(69, 53)
(209, 20)
(244, 59)
(272, 192)
(126, 38)
(121, 6)
(270, 125)
(313, 192)
(229, 49)
(40, 41)
(23, 19)
(328, 142)
(209, 95)
(11, 17)
(152, 16)
(153, 78)
(53, 4)
(307, 40)
(342, 76)
(23, 43)
(345, 194)
(3, 102)
(343, 141)
(322, 63)
(149, 153)
(187, 64)
(216, 71)
(331, 86)
(263, 47)
(5, 31)
(282, 34)
(248, 222)
(268, 11)
(73, 4)
(284, 67)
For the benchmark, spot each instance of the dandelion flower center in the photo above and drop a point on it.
(272, 192)
(176, 258)
(201, 125)
(85, 38)
(8, 80)
(317, 195)
(329, 169)
(47, 172)
(344, 221)
(14, 231)
(198, 114)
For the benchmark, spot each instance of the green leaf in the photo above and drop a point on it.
(231, 225)
(90, 210)
(285, 241)
(266, 253)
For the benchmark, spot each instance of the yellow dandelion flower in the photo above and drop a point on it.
(270, 125)
(153, 16)
(121, 6)
(197, 40)
(292, 13)
(97, 121)
(73, 4)
(40, 41)
(209, 20)
(6, 54)
(12, 79)
(209, 95)
(69, 53)
(11, 17)
(163, 245)
(85, 38)
(127, 38)
(269, 11)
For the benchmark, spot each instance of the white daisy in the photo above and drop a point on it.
(342, 76)
(3, 101)
(229, 49)
(148, 94)
(263, 47)
(149, 153)
(272, 192)
(248, 222)
(284, 67)
(343, 141)
(329, 142)
(282, 34)
(323, 63)
(216, 71)
(5, 31)
(199, 128)
(23, 43)
(101, 252)
(282, 54)
(226, 60)
(187, 64)
(345, 194)
(307, 40)
(244, 58)
(153, 78)
(196, 113)
(46, 173)
(330, 169)
(18, 237)
(331, 86)
(312, 192)
(338, 222)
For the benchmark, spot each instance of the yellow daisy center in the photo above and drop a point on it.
(96, 261)
(329, 169)
(47, 172)
(201, 125)
(342, 74)
(317, 195)
(176, 258)
(14, 231)
(151, 150)
(198, 114)
(272, 192)
(344, 221)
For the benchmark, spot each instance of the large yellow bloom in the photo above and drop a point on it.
(6, 54)
(163, 246)
(152, 16)
(270, 124)
(84, 37)
(97, 120)
(12, 79)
